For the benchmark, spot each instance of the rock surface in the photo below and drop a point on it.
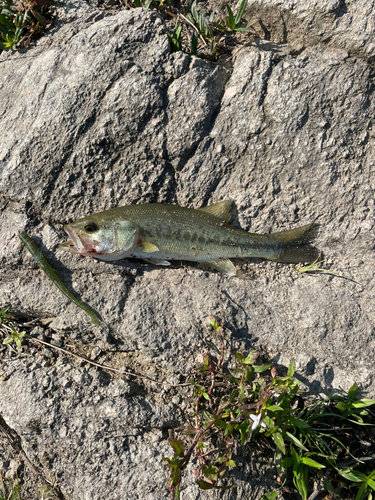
(100, 114)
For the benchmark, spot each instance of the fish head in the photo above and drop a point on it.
(97, 236)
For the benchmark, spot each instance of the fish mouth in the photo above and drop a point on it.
(76, 244)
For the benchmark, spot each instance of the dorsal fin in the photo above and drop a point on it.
(220, 210)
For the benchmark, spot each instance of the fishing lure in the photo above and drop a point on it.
(47, 269)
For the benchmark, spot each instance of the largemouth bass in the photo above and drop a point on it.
(160, 233)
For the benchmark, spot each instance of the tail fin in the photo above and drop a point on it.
(296, 244)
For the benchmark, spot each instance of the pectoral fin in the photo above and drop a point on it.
(220, 210)
(158, 262)
(148, 247)
(225, 266)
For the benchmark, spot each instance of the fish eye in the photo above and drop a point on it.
(91, 227)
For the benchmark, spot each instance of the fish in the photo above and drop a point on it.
(159, 233)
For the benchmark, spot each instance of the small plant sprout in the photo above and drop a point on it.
(234, 23)
(314, 267)
(175, 39)
(2, 315)
(15, 337)
(206, 30)
(10, 490)
(246, 402)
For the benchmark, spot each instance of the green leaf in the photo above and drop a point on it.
(240, 12)
(269, 422)
(274, 408)
(298, 422)
(7, 340)
(230, 20)
(301, 481)
(371, 483)
(6, 309)
(194, 36)
(176, 492)
(41, 19)
(3, 30)
(292, 368)
(178, 446)
(363, 403)
(206, 415)
(329, 487)
(4, 21)
(240, 357)
(295, 455)
(353, 476)
(262, 368)
(362, 492)
(312, 463)
(250, 358)
(296, 441)
(273, 495)
(353, 391)
(279, 441)
(234, 394)
(287, 462)
(279, 461)
(222, 424)
(175, 39)
(194, 48)
(203, 485)
(194, 12)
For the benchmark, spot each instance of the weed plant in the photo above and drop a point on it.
(249, 402)
(242, 401)
(20, 20)
(193, 29)
(206, 31)
(9, 490)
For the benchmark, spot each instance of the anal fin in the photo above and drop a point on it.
(225, 266)
(158, 262)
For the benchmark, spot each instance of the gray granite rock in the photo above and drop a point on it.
(100, 114)
(335, 23)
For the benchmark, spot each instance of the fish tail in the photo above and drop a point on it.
(296, 244)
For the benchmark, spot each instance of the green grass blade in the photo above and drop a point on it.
(279, 441)
(312, 463)
(240, 12)
(4, 21)
(362, 492)
(230, 19)
(296, 441)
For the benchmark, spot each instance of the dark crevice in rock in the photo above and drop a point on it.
(342, 8)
